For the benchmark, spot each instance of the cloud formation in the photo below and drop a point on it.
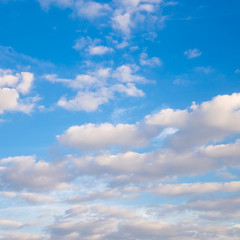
(12, 86)
(192, 53)
(99, 87)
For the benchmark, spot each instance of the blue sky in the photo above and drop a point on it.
(119, 119)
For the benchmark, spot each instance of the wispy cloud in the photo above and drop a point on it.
(192, 53)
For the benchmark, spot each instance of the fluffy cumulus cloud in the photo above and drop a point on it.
(176, 158)
(209, 121)
(12, 86)
(98, 87)
(86, 101)
(25, 173)
(90, 136)
(186, 150)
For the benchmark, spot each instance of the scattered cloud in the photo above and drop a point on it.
(125, 73)
(99, 50)
(205, 70)
(12, 86)
(122, 22)
(85, 9)
(91, 9)
(123, 16)
(152, 62)
(86, 101)
(192, 53)
(98, 87)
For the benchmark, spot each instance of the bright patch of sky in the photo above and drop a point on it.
(119, 120)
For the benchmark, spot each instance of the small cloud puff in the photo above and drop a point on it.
(192, 53)
(12, 86)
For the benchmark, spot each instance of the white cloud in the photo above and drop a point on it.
(26, 84)
(168, 117)
(131, 15)
(137, 168)
(152, 62)
(229, 153)
(125, 73)
(83, 8)
(21, 81)
(183, 153)
(91, 46)
(82, 43)
(99, 50)
(11, 86)
(195, 188)
(86, 101)
(130, 89)
(8, 79)
(24, 172)
(98, 87)
(124, 16)
(91, 136)
(8, 99)
(192, 53)
(210, 121)
(91, 9)
(147, 7)
(122, 22)
(82, 81)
